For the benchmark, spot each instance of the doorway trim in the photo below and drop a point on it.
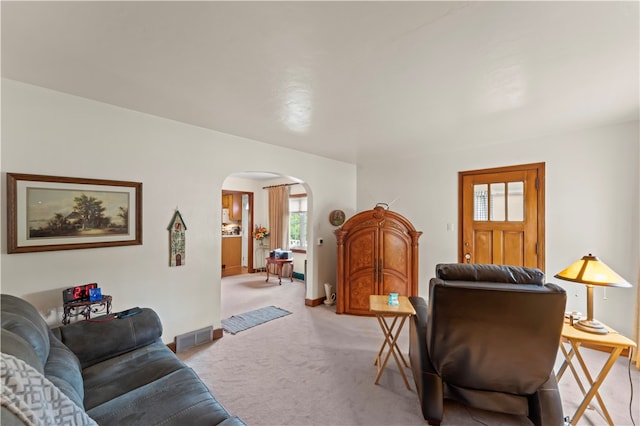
(250, 239)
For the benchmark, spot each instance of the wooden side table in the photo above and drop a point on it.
(380, 307)
(279, 263)
(86, 308)
(612, 341)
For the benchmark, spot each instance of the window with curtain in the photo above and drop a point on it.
(298, 222)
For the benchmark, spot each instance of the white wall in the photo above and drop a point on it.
(46, 132)
(591, 205)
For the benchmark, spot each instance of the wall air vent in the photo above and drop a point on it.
(194, 338)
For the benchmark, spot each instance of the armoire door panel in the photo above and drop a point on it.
(358, 295)
(361, 251)
(394, 251)
(396, 263)
(393, 283)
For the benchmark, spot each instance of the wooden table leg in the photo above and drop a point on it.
(385, 330)
(567, 363)
(391, 340)
(389, 332)
(595, 385)
(279, 267)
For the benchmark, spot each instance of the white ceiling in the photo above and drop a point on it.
(345, 80)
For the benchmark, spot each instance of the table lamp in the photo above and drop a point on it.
(591, 271)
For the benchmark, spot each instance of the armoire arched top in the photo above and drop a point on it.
(377, 254)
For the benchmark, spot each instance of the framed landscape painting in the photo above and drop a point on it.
(63, 213)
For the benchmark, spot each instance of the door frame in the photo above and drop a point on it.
(250, 239)
(540, 186)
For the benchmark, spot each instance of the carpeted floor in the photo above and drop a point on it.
(317, 368)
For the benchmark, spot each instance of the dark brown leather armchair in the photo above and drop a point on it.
(488, 338)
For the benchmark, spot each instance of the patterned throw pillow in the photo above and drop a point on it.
(34, 399)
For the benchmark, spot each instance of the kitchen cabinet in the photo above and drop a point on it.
(231, 255)
(235, 211)
(377, 254)
(233, 202)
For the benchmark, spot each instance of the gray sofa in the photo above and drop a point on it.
(113, 371)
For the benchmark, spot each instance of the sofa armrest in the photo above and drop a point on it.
(428, 383)
(97, 340)
(418, 335)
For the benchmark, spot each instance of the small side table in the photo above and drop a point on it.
(613, 341)
(86, 308)
(379, 305)
(279, 263)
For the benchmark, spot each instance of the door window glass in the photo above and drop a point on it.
(480, 202)
(498, 202)
(516, 202)
(497, 205)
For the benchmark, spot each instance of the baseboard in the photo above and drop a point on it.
(218, 333)
(314, 302)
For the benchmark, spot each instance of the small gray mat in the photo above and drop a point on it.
(238, 323)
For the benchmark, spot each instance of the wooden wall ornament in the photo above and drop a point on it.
(377, 254)
(177, 230)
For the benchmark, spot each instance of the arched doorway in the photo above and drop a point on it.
(255, 184)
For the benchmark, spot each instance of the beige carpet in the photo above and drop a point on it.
(316, 368)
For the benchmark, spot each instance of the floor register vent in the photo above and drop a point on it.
(194, 338)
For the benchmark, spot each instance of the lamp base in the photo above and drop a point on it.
(591, 326)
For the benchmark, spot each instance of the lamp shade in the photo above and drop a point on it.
(591, 270)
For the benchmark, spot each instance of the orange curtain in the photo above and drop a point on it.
(279, 217)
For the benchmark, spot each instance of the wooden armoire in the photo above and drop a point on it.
(377, 254)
